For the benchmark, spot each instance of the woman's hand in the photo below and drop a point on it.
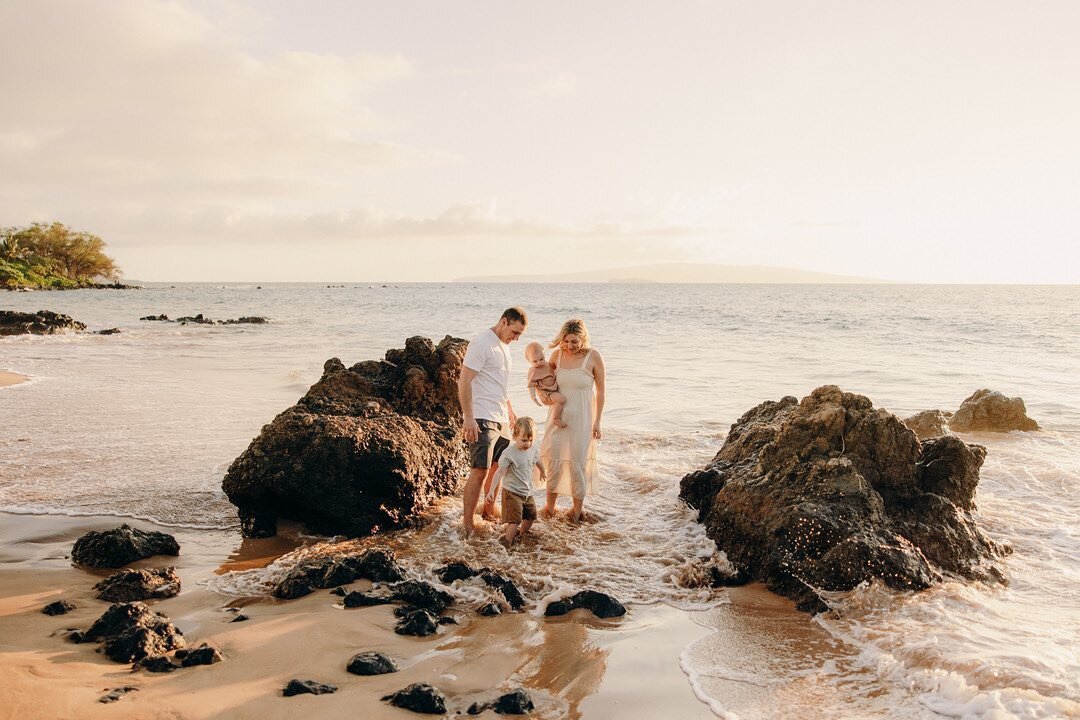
(596, 430)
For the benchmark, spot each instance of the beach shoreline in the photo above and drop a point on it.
(573, 666)
(10, 378)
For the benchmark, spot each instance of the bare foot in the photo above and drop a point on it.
(547, 513)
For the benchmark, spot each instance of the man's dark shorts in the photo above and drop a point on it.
(489, 444)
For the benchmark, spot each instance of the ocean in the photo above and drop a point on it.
(143, 425)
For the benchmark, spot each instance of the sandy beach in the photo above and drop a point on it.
(10, 378)
(574, 666)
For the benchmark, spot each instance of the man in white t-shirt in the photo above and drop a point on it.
(485, 403)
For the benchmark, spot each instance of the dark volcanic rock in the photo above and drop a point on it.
(601, 604)
(517, 702)
(929, 424)
(829, 492)
(309, 687)
(128, 585)
(361, 599)
(132, 631)
(989, 410)
(60, 607)
(418, 622)
(455, 570)
(156, 664)
(43, 322)
(376, 564)
(366, 449)
(371, 663)
(506, 586)
(156, 318)
(110, 331)
(121, 546)
(490, 610)
(202, 655)
(423, 595)
(419, 697)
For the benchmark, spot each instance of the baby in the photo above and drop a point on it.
(543, 387)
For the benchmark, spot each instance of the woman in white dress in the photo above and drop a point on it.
(568, 454)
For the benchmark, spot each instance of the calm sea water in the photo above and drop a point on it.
(143, 424)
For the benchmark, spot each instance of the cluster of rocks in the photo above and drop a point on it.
(132, 631)
(829, 492)
(200, 319)
(600, 604)
(123, 545)
(43, 322)
(983, 411)
(365, 450)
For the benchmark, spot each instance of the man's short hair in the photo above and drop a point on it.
(515, 315)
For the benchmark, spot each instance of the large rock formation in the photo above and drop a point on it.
(929, 424)
(829, 492)
(989, 410)
(43, 322)
(365, 450)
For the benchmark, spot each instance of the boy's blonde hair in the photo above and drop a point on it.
(573, 326)
(524, 427)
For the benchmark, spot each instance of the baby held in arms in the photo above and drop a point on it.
(543, 387)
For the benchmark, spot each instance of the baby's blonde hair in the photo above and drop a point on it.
(573, 326)
(524, 427)
(534, 347)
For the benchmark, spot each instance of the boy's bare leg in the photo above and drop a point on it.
(523, 528)
(558, 402)
(510, 533)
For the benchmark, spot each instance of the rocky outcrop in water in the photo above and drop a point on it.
(600, 604)
(419, 697)
(829, 492)
(125, 544)
(517, 702)
(132, 631)
(366, 449)
(990, 411)
(929, 424)
(458, 570)
(43, 322)
(128, 585)
(374, 564)
(200, 319)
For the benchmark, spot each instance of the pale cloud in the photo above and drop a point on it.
(150, 99)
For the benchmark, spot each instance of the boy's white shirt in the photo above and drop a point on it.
(496, 479)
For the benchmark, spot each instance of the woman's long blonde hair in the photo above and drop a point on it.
(573, 326)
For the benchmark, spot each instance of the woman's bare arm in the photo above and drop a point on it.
(599, 373)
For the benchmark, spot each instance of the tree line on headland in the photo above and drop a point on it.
(53, 256)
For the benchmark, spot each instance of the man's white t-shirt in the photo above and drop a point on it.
(490, 358)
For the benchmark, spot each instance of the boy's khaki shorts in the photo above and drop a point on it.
(516, 508)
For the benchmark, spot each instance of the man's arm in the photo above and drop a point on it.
(464, 389)
(510, 410)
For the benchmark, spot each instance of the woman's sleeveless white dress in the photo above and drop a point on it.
(569, 454)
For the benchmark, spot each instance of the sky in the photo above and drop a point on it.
(341, 140)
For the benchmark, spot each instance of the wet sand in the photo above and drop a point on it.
(574, 666)
(10, 378)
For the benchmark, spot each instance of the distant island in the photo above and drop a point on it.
(680, 273)
(54, 257)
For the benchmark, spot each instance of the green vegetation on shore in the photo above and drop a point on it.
(53, 257)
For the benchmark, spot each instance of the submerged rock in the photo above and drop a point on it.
(929, 424)
(601, 604)
(43, 322)
(829, 492)
(132, 631)
(366, 449)
(376, 564)
(128, 585)
(423, 595)
(489, 610)
(416, 621)
(990, 411)
(517, 702)
(117, 693)
(371, 663)
(505, 586)
(308, 687)
(125, 544)
(419, 697)
(357, 599)
(60, 607)
(456, 570)
(202, 655)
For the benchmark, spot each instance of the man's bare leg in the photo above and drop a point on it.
(469, 497)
